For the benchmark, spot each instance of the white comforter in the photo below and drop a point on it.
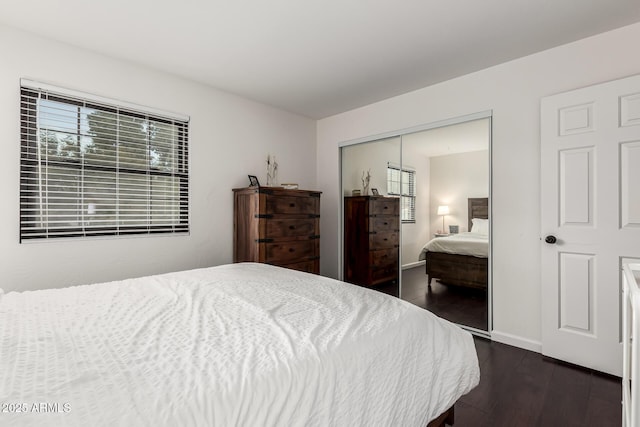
(473, 244)
(235, 345)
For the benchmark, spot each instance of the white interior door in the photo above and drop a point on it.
(590, 169)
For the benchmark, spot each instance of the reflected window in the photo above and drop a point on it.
(93, 169)
(402, 183)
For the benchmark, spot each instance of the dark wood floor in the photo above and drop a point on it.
(517, 387)
(460, 305)
(522, 388)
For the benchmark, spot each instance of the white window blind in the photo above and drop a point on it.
(89, 167)
(402, 182)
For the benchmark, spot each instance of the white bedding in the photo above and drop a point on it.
(235, 345)
(473, 244)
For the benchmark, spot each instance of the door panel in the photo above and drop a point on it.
(590, 201)
(630, 110)
(629, 182)
(576, 292)
(575, 120)
(576, 187)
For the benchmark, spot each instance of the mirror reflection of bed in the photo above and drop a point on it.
(456, 175)
(461, 259)
(456, 267)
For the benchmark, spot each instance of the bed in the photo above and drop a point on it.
(235, 345)
(461, 259)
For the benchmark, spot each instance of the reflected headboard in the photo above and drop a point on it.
(478, 208)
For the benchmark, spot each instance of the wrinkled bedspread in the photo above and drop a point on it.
(234, 345)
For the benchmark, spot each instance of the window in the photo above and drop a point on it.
(94, 167)
(403, 184)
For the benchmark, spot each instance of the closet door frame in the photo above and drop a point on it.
(487, 114)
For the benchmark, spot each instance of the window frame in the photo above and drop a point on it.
(31, 162)
(410, 198)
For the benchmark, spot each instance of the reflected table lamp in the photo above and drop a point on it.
(443, 210)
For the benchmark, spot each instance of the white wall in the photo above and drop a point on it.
(513, 91)
(229, 138)
(455, 178)
(372, 157)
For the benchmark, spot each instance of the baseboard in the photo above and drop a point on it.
(413, 264)
(516, 341)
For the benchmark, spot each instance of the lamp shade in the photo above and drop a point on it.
(443, 210)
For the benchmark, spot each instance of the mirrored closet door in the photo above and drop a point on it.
(433, 192)
(371, 215)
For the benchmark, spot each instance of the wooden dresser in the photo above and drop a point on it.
(371, 239)
(277, 226)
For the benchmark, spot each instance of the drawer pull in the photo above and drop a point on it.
(292, 227)
(292, 205)
(386, 207)
(291, 250)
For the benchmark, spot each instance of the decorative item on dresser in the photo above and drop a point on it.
(253, 181)
(277, 226)
(371, 239)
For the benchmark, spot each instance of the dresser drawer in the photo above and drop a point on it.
(384, 223)
(383, 240)
(278, 253)
(312, 266)
(383, 257)
(371, 240)
(292, 205)
(383, 274)
(384, 206)
(277, 228)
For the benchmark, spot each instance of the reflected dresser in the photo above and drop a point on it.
(371, 240)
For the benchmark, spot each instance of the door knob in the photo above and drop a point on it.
(550, 239)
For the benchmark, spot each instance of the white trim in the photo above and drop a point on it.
(490, 258)
(45, 87)
(403, 167)
(413, 264)
(486, 114)
(475, 331)
(516, 341)
(340, 219)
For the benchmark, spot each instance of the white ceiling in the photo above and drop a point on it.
(318, 58)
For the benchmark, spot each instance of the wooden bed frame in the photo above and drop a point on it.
(447, 418)
(461, 270)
